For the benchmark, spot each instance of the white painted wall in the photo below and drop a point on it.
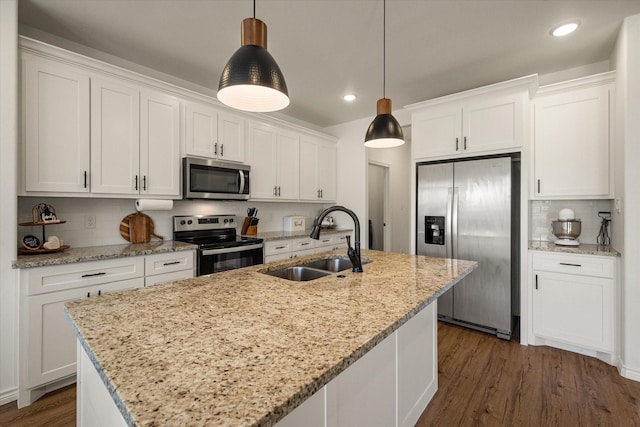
(399, 161)
(626, 227)
(352, 166)
(8, 176)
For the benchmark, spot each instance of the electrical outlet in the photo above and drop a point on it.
(89, 221)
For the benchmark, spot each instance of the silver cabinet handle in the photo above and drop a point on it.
(538, 186)
(318, 194)
(222, 150)
(278, 190)
(457, 144)
(144, 183)
(85, 179)
(215, 149)
(321, 194)
(280, 247)
(305, 244)
(136, 183)
(465, 142)
(570, 264)
(171, 263)
(536, 281)
(275, 190)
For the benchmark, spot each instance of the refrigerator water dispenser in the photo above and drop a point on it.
(434, 230)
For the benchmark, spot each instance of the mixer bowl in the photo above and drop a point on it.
(569, 229)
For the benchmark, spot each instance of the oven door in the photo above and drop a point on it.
(212, 179)
(217, 260)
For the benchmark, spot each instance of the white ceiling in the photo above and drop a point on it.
(327, 48)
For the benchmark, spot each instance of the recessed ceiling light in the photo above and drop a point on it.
(564, 29)
(349, 97)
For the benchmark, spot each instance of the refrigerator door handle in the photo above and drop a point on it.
(454, 223)
(448, 225)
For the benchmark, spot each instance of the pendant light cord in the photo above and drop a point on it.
(384, 47)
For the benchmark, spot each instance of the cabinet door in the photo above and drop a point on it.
(572, 145)
(417, 364)
(328, 171)
(262, 140)
(55, 126)
(201, 130)
(115, 138)
(231, 137)
(437, 132)
(574, 309)
(309, 169)
(159, 144)
(50, 350)
(493, 124)
(288, 161)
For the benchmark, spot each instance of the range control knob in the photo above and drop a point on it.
(189, 222)
(182, 222)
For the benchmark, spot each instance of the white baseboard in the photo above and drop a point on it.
(9, 395)
(631, 374)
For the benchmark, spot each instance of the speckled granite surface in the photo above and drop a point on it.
(281, 235)
(582, 249)
(244, 348)
(95, 253)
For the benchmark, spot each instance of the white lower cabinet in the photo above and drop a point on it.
(47, 341)
(574, 301)
(391, 385)
(278, 250)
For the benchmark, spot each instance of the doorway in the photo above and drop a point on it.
(378, 212)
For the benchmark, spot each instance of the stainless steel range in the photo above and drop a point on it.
(219, 246)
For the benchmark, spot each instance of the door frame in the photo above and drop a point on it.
(386, 210)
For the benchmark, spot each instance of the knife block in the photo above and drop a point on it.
(252, 230)
(245, 226)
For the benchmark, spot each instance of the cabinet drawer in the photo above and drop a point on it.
(325, 241)
(277, 247)
(70, 276)
(583, 265)
(303, 244)
(167, 263)
(168, 277)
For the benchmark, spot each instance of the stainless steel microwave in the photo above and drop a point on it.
(213, 179)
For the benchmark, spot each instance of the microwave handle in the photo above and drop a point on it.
(241, 181)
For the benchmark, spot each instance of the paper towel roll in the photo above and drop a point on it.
(153, 205)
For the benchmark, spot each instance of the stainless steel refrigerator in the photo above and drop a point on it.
(468, 209)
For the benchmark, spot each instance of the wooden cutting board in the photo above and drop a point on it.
(138, 228)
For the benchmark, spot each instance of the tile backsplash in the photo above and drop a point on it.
(542, 212)
(109, 212)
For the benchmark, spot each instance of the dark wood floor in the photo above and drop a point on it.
(483, 381)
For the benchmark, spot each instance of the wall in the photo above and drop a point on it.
(398, 160)
(352, 165)
(109, 212)
(542, 212)
(627, 175)
(8, 174)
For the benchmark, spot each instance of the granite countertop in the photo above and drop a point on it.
(95, 253)
(244, 348)
(282, 235)
(582, 249)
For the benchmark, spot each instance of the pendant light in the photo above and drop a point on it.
(384, 131)
(252, 80)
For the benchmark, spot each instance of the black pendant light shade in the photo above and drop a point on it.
(384, 131)
(252, 80)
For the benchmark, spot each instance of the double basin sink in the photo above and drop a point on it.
(313, 269)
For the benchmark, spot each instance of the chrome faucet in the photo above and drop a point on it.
(354, 254)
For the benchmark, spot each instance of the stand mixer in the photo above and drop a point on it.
(566, 228)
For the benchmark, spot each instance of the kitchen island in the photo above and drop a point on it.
(245, 348)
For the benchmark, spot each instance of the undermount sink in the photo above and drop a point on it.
(299, 274)
(332, 264)
(313, 269)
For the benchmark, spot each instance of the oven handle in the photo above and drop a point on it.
(241, 182)
(231, 250)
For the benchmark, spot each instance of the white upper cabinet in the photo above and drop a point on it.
(480, 121)
(214, 133)
(115, 138)
(159, 143)
(275, 162)
(318, 170)
(573, 143)
(55, 126)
